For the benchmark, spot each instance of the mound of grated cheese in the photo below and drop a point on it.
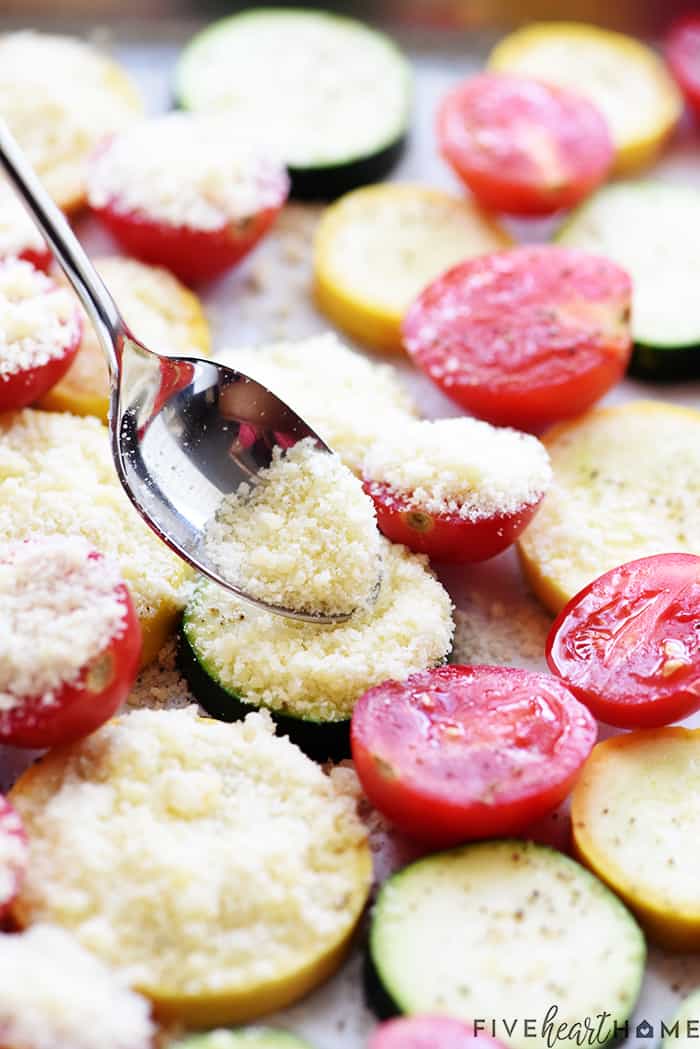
(303, 537)
(57, 478)
(18, 232)
(460, 466)
(14, 852)
(60, 97)
(347, 399)
(186, 170)
(193, 856)
(59, 608)
(55, 995)
(39, 321)
(320, 671)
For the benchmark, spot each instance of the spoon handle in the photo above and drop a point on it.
(67, 250)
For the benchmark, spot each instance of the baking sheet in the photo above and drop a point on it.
(268, 298)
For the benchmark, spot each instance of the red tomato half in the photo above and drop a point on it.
(14, 849)
(523, 146)
(682, 50)
(629, 644)
(463, 752)
(445, 536)
(525, 337)
(40, 260)
(429, 1032)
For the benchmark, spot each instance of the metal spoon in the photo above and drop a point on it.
(184, 432)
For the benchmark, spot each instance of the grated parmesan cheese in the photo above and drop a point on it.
(18, 231)
(347, 399)
(303, 537)
(57, 478)
(55, 995)
(460, 466)
(161, 686)
(14, 853)
(59, 609)
(60, 97)
(39, 321)
(186, 170)
(258, 861)
(320, 671)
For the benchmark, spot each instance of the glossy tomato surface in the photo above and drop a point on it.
(525, 337)
(523, 146)
(463, 752)
(14, 850)
(445, 536)
(628, 645)
(80, 708)
(429, 1032)
(682, 49)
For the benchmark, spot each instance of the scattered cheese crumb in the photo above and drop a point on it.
(18, 231)
(320, 671)
(186, 170)
(509, 630)
(39, 321)
(161, 686)
(14, 852)
(304, 537)
(347, 399)
(258, 861)
(59, 609)
(460, 466)
(55, 995)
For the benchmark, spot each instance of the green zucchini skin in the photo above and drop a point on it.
(328, 183)
(665, 364)
(322, 741)
(377, 998)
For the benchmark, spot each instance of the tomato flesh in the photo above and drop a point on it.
(445, 536)
(14, 845)
(628, 645)
(22, 388)
(463, 752)
(522, 146)
(429, 1032)
(525, 337)
(39, 258)
(682, 51)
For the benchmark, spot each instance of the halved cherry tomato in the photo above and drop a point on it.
(682, 49)
(524, 146)
(40, 260)
(463, 752)
(429, 1032)
(628, 645)
(524, 337)
(14, 850)
(445, 536)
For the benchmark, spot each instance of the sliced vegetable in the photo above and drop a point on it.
(523, 146)
(621, 76)
(635, 823)
(243, 1038)
(682, 50)
(682, 1031)
(626, 485)
(40, 333)
(377, 248)
(629, 644)
(505, 923)
(256, 68)
(455, 489)
(458, 752)
(429, 1032)
(652, 229)
(71, 641)
(238, 659)
(161, 311)
(524, 337)
(14, 855)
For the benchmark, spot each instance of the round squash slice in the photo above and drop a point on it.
(626, 485)
(161, 311)
(214, 867)
(57, 478)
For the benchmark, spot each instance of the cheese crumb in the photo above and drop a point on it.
(348, 400)
(14, 852)
(18, 231)
(186, 170)
(38, 320)
(320, 672)
(59, 609)
(460, 466)
(258, 861)
(304, 537)
(55, 995)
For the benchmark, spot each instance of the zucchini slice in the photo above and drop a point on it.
(329, 94)
(626, 485)
(505, 930)
(243, 1038)
(636, 818)
(238, 659)
(683, 1030)
(652, 229)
